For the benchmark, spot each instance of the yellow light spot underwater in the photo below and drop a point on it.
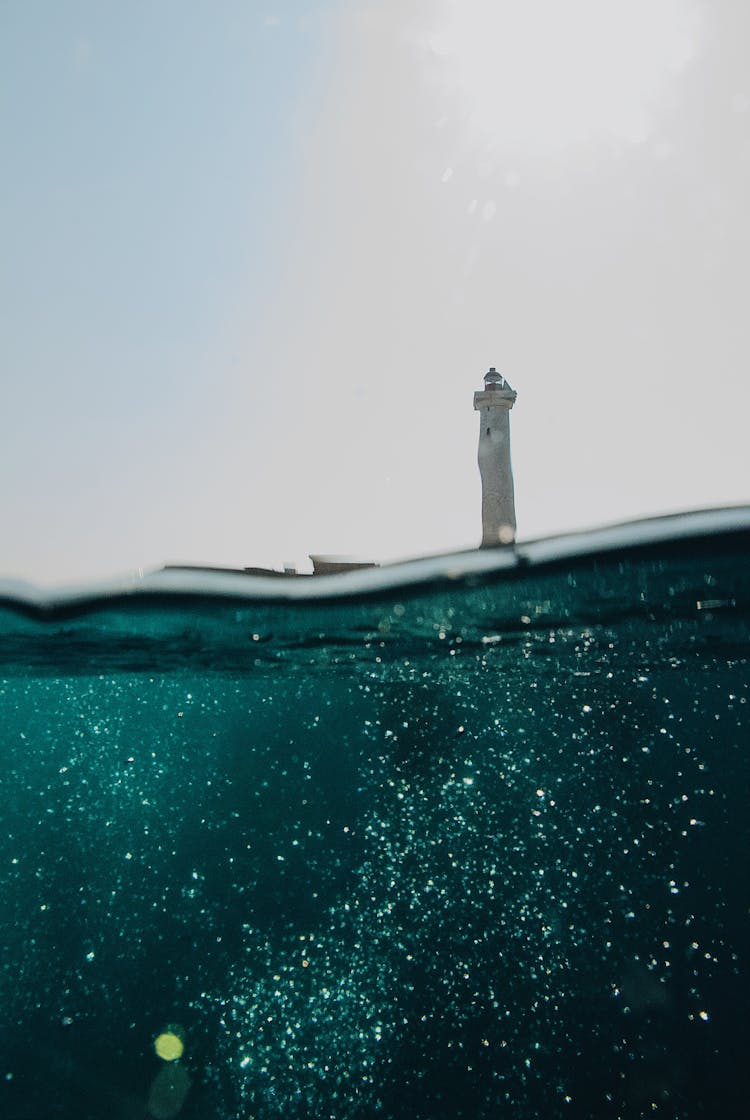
(169, 1046)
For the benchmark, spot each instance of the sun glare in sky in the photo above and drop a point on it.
(549, 74)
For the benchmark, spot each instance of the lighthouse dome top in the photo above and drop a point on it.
(495, 380)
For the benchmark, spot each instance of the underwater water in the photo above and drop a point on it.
(472, 847)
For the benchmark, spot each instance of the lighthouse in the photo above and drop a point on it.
(493, 403)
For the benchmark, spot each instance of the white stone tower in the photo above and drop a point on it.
(493, 404)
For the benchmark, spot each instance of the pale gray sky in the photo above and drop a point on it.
(256, 257)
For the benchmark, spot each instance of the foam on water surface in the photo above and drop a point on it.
(464, 840)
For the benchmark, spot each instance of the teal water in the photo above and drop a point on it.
(473, 848)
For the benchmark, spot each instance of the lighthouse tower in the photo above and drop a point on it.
(493, 404)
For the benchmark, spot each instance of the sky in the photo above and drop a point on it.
(255, 258)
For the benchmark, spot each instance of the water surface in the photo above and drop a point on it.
(463, 845)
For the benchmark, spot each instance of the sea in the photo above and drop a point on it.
(465, 837)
